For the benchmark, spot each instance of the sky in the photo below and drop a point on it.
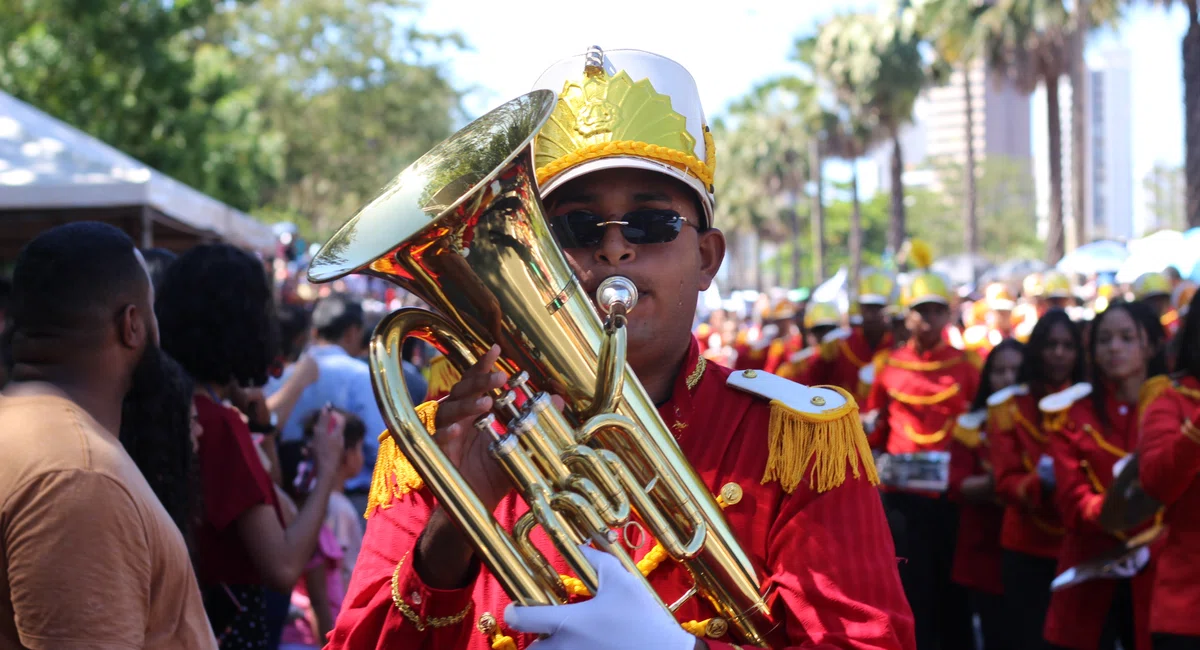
(729, 46)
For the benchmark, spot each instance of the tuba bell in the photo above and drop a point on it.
(463, 229)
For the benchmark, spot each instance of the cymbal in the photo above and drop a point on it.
(1112, 564)
(1126, 505)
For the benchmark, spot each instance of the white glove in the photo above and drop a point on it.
(1133, 564)
(1045, 471)
(621, 616)
(1120, 465)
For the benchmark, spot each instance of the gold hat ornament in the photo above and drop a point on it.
(1054, 284)
(1150, 285)
(876, 288)
(822, 314)
(924, 285)
(625, 109)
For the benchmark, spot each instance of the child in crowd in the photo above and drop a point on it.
(342, 517)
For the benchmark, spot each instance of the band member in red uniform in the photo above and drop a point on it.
(919, 391)
(789, 462)
(1169, 464)
(997, 322)
(1032, 532)
(977, 554)
(845, 351)
(1092, 426)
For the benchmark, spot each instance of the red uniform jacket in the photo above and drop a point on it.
(828, 556)
(977, 552)
(1084, 451)
(842, 358)
(1169, 463)
(1031, 522)
(920, 396)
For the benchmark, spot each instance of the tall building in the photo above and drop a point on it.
(1109, 155)
(1001, 126)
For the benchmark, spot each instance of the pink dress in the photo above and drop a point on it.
(298, 633)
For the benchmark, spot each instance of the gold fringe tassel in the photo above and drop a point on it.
(1150, 391)
(442, 377)
(970, 438)
(1054, 422)
(1001, 416)
(394, 476)
(823, 443)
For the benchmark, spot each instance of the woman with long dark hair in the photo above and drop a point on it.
(1092, 427)
(1032, 530)
(977, 553)
(1169, 464)
(216, 317)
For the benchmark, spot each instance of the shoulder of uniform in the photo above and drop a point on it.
(881, 358)
(974, 359)
(1003, 395)
(836, 335)
(829, 343)
(967, 428)
(1151, 389)
(800, 356)
(814, 432)
(394, 476)
(1064, 399)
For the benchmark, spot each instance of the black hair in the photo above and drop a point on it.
(291, 454)
(1033, 372)
(156, 433)
(352, 434)
(157, 262)
(294, 320)
(72, 277)
(5, 296)
(335, 314)
(216, 316)
(1187, 359)
(1147, 321)
(985, 378)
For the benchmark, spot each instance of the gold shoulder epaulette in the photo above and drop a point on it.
(974, 359)
(442, 377)
(813, 432)
(831, 343)
(1151, 389)
(394, 476)
(967, 428)
(998, 409)
(1055, 407)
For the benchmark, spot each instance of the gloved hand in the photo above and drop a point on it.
(1045, 471)
(1132, 564)
(621, 616)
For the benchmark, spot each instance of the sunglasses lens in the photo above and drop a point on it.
(577, 229)
(652, 226)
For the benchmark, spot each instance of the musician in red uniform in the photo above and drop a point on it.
(1169, 464)
(789, 462)
(1092, 426)
(977, 552)
(919, 390)
(1032, 531)
(845, 351)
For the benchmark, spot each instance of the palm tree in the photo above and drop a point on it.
(1191, 105)
(875, 67)
(951, 27)
(1028, 42)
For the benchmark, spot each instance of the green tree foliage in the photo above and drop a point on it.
(1166, 197)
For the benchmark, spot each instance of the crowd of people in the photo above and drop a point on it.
(190, 447)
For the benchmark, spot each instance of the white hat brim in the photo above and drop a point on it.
(632, 162)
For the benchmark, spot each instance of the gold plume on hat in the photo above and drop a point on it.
(918, 253)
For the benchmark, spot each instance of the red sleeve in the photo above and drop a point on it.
(1015, 483)
(877, 401)
(371, 617)
(1077, 500)
(834, 569)
(232, 478)
(1168, 460)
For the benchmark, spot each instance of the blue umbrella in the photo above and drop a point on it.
(1096, 257)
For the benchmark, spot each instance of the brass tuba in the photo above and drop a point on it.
(463, 229)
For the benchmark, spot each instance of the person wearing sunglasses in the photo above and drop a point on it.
(625, 170)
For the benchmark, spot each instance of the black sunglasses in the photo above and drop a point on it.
(583, 229)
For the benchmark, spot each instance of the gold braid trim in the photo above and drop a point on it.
(821, 442)
(844, 346)
(1054, 421)
(1091, 477)
(928, 438)
(413, 617)
(1001, 415)
(924, 400)
(970, 438)
(394, 476)
(1104, 444)
(1189, 393)
(924, 366)
(1028, 426)
(703, 170)
(693, 379)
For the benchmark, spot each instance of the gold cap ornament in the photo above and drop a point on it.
(625, 109)
(924, 285)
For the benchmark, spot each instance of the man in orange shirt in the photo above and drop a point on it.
(89, 556)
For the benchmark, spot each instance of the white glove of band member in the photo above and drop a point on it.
(621, 616)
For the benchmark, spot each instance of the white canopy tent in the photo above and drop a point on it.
(52, 173)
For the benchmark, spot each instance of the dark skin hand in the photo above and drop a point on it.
(668, 277)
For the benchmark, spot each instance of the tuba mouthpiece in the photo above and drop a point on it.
(616, 290)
